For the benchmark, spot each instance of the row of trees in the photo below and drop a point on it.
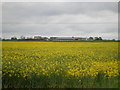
(95, 38)
(46, 38)
(29, 38)
(39, 37)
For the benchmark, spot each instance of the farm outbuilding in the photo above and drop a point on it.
(61, 38)
(67, 38)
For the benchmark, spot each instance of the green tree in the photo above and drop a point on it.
(96, 38)
(100, 38)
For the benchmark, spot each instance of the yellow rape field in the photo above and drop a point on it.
(60, 64)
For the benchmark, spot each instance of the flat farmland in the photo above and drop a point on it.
(60, 64)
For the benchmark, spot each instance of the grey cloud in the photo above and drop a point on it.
(60, 19)
(61, 29)
(32, 12)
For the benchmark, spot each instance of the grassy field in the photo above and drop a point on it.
(60, 64)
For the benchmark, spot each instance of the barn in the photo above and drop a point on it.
(61, 38)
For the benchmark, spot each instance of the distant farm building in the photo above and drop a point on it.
(61, 38)
(79, 38)
(37, 37)
(66, 38)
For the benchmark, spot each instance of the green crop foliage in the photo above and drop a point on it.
(60, 64)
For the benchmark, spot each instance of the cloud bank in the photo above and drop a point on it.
(82, 19)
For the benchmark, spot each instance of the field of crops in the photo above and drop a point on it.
(60, 64)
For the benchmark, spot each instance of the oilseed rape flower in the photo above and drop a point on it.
(38, 61)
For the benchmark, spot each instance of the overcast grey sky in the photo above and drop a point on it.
(82, 19)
